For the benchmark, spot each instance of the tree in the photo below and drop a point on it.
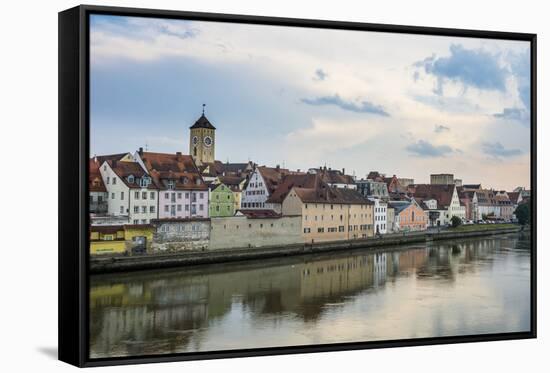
(455, 221)
(523, 213)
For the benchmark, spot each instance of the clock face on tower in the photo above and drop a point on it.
(208, 141)
(195, 140)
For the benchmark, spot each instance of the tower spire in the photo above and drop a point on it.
(203, 105)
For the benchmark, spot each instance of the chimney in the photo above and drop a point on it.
(140, 151)
(277, 167)
(178, 153)
(343, 171)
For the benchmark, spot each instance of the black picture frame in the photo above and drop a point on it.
(73, 186)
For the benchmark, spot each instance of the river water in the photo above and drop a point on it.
(457, 287)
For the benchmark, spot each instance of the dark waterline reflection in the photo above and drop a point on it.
(459, 287)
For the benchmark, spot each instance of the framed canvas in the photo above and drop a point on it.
(234, 186)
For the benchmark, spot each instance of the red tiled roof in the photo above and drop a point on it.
(326, 194)
(273, 176)
(218, 168)
(177, 167)
(95, 181)
(298, 181)
(259, 214)
(125, 169)
(442, 193)
(514, 196)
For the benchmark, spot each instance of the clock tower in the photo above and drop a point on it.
(202, 140)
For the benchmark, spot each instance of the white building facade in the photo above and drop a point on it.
(256, 193)
(380, 216)
(129, 194)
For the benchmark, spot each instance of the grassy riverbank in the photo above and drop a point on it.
(481, 227)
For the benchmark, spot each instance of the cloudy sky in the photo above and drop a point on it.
(408, 105)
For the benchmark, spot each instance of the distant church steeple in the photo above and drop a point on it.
(202, 140)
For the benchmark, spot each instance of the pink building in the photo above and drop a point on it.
(182, 191)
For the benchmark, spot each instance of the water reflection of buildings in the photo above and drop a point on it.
(169, 311)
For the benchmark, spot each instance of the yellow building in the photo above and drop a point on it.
(139, 238)
(330, 214)
(107, 239)
(120, 239)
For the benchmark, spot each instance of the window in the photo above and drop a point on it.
(122, 195)
(341, 228)
(307, 230)
(131, 179)
(152, 195)
(166, 195)
(136, 195)
(122, 209)
(144, 181)
(201, 195)
(166, 208)
(143, 221)
(179, 195)
(144, 195)
(143, 209)
(114, 180)
(152, 209)
(108, 180)
(136, 209)
(179, 207)
(186, 207)
(136, 221)
(217, 208)
(201, 207)
(320, 230)
(112, 196)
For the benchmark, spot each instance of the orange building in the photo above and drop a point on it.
(409, 216)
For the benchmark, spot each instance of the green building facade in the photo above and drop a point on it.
(222, 201)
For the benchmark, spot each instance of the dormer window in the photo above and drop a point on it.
(144, 181)
(171, 184)
(131, 179)
(199, 181)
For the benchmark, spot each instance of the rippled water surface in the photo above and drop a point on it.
(460, 287)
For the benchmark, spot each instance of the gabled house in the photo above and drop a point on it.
(97, 190)
(506, 207)
(222, 200)
(440, 201)
(235, 184)
(488, 206)
(260, 186)
(409, 216)
(181, 189)
(131, 191)
(98, 194)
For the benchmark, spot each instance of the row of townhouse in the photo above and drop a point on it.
(146, 186)
(489, 204)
